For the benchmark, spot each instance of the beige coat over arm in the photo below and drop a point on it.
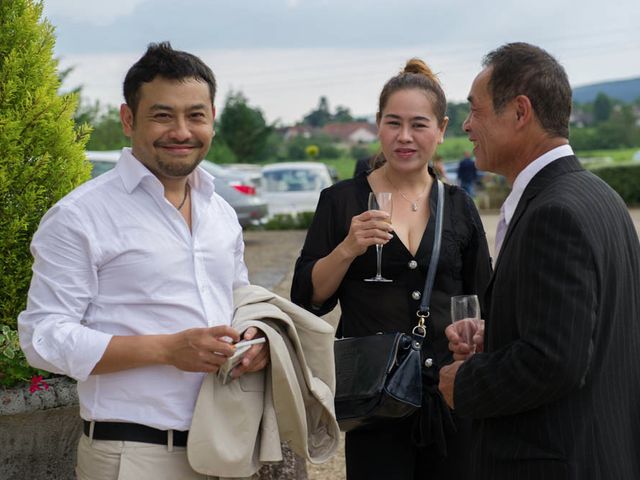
(239, 426)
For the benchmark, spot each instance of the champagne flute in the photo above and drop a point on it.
(466, 310)
(380, 201)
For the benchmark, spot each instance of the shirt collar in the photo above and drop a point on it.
(525, 176)
(133, 172)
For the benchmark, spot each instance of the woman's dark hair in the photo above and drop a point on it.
(160, 60)
(415, 75)
(524, 69)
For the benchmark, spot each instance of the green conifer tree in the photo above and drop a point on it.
(41, 154)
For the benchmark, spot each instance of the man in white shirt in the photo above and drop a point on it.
(133, 278)
(555, 387)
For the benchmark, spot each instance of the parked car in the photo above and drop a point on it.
(294, 187)
(251, 172)
(249, 206)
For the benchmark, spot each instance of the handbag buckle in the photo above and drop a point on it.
(422, 317)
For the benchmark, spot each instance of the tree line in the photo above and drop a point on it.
(244, 135)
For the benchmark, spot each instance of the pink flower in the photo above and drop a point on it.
(37, 384)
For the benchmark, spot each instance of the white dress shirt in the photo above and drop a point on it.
(114, 257)
(525, 176)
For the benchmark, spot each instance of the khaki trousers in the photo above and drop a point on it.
(116, 460)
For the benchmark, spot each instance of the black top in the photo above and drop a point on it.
(367, 307)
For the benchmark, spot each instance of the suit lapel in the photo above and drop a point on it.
(537, 184)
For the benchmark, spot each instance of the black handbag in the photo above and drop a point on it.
(380, 376)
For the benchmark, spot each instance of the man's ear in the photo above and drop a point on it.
(127, 120)
(524, 110)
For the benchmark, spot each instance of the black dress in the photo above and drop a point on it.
(389, 450)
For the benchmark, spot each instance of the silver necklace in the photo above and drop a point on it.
(414, 203)
(187, 188)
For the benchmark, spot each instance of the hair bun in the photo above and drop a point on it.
(418, 67)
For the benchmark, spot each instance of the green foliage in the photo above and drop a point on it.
(280, 221)
(295, 149)
(221, 153)
(624, 179)
(13, 365)
(362, 151)
(453, 148)
(320, 116)
(342, 115)
(618, 155)
(105, 124)
(619, 131)
(243, 129)
(42, 152)
(456, 112)
(343, 165)
(602, 107)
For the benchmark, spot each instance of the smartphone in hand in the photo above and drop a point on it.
(224, 372)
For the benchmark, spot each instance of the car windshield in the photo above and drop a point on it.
(101, 166)
(294, 180)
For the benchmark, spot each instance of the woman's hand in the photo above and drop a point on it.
(369, 228)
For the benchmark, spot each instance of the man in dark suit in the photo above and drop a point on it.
(555, 389)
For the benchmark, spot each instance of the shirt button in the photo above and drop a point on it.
(416, 295)
(413, 264)
(428, 362)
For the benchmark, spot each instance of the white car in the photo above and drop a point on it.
(294, 187)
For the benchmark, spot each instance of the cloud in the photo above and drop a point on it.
(90, 11)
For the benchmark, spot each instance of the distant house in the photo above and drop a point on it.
(580, 118)
(346, 133)
(304, 131)
(351, 133)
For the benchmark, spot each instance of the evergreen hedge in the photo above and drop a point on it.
(42, 158)
(624, 179)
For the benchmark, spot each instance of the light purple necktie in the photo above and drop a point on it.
(500, 231)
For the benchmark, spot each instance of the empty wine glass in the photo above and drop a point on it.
(380, 201)
(466, 310)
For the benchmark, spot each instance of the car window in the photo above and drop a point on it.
(100, 166)
(294, 180)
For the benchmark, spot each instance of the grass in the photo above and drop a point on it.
(620, 155)
(344, 166)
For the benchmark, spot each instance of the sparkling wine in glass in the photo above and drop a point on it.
(466, 310)
(380, 201)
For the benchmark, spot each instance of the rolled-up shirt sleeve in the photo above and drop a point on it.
(52, 331)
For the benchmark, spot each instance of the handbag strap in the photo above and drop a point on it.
(423, 311)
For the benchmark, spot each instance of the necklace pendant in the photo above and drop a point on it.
(414, 206)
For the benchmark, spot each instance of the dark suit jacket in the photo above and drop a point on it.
(556, 395)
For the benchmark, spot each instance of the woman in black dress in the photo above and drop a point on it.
(338, 255)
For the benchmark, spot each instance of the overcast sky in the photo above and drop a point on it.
(285, 54)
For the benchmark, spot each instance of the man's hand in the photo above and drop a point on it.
(256, 358)
(455, 332)
(201, 349)
(447, 381)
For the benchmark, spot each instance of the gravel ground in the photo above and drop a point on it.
(270, 257)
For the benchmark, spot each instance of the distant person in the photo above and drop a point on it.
(467, 174)
(555, 390)
(339, 253)
(133, 278)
